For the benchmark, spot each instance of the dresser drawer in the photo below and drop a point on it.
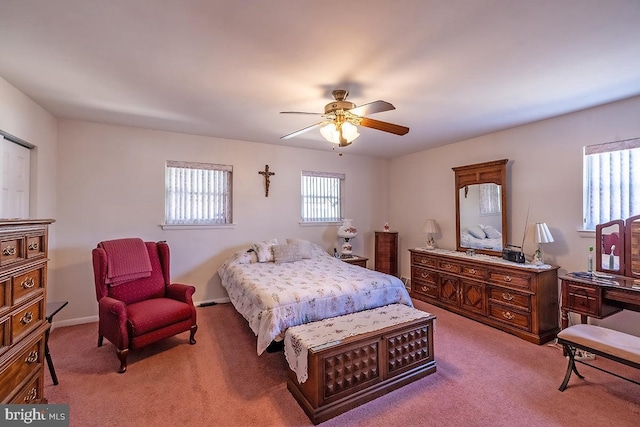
(511, 317)
(5, 291)
(510, 278)
(5, 333)
(35, 246)
(26, 283)
(28, 361)
(31, 393)
(423, 260)
(25, 320)
(424, 281)
(448, 266)
(473, 271)
(11, 250)
(511, 298)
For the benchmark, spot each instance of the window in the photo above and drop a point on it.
(489, 199)
(322, 196)
(197, 193)
(612, 182)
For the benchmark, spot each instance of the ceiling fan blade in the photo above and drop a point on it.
(301, 131)
(384, 126)
(371, 108)
(301, 112)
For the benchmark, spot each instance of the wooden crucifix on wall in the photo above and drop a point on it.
(267, 179)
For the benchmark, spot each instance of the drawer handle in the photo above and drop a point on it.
(507, 297)
(423, 261)
(425, 275)
(472, 271)
(507, 278)
(32, 395)
(507, 315)
(9, 250)
(447, 266)
(27, 318)
(33, 246)
(28, 283)
(424, 288)
(33, 357)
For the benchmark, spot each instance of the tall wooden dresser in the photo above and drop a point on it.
(386, 252)
(23, 278)
(516, 298)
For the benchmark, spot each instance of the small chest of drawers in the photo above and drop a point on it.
(517, 299)
(23, 277)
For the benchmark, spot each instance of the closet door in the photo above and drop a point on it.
(14, 180)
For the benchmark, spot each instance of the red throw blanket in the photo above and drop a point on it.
(127, 259)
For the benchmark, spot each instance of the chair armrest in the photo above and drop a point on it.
(180, 292)
(113, 321)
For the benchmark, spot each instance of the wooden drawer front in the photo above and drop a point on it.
(423, 260)
(11, 250)
(35, 246)
(28, 361)
(511, 317)
(27, 283)
(511, 298)
(581, 299)
(450, 267)
(510, 278)
(473, 271)
(5, 291)
(424, 281)
(31, 393)
(26, 319)
(5, 332)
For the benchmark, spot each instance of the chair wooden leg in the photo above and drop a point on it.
(100, 339)
(122, 355)
(194, 329)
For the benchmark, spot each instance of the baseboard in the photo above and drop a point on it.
(94, 319)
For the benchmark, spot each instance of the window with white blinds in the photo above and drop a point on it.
(197, 193)
(321, 196)
(490, 199)
(611, 182)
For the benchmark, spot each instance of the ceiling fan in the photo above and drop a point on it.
(341, 118)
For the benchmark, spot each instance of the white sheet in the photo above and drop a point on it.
(468, 241)
(272, 297)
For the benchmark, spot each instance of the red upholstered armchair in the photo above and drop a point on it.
(144, 307)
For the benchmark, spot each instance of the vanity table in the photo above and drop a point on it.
(521, 299)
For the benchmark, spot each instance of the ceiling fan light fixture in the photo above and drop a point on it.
(332, 133)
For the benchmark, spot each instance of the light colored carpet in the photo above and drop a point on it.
(484, 377)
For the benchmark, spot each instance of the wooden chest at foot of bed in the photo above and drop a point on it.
(360, 368)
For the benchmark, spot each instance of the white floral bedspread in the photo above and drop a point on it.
(331, 332)
(273, 297)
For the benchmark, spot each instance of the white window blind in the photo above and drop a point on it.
(322, 196)
(197, 193)
(612, 182)
(489, 199)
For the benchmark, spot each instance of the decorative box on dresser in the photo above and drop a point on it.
(23, 278)
(516, 298)
(386, 252)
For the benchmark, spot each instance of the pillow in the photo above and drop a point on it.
(263, 250)
(286, 253)
(477, 232)
(491, 232)
(244, 257)
(304, 246)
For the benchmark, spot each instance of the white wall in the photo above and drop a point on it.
(111, 185)
(544, 175)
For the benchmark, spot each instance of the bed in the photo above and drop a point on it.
(304, 285)
(481, 237)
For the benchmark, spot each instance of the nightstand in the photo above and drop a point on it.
(356, 260)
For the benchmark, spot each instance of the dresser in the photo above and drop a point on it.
(386, 252)
(516, 298)
(23, 278)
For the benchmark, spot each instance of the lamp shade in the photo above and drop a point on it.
(430, 226)
(347, 230)
(332, 133)
(542, 233)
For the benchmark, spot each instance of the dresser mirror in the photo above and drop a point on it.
(632, 247)
(481, 201)
(610, 238)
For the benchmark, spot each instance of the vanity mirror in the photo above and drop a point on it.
(481, 200)
(618, 247)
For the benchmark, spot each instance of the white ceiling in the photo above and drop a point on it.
(454, 69)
